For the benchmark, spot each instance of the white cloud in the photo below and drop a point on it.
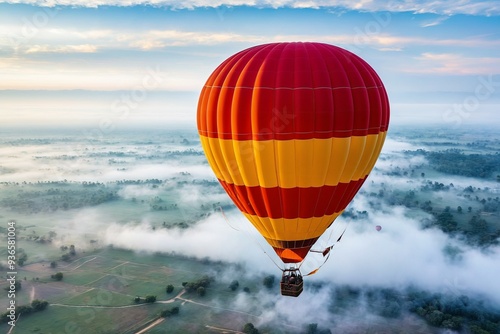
(163, 38)
(434, 22)
(84, 48)
(484, 7)
(108, 39)
(403, 253)
(454, 64)
(211, 238)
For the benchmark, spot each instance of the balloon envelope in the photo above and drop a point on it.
(378, 227)
(291, 131)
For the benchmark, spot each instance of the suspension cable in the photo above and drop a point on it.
(250, 236)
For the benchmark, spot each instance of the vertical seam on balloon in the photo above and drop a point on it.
(321, 56)
(261, 223)
(258, 223)
(334, 55)
(350, 192)
(212, 91)
(335, 115)
(349, 78)
(234, 141)
(319, 196)
(253, 147)
(306, 52)
(221, 69)
(219, 140)
(383, 110)
(276, 152)
(367, 168)
(276, 146)
(341, 59)
(294, 127)
(324, 53)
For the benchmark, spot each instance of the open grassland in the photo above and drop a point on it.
(96, 294)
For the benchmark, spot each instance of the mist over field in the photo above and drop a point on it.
(154, 193)
(113, 222)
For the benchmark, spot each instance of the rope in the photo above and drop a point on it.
(327, 251)
(250, 236)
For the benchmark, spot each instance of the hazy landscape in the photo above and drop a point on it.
(113, 222)
(120, 231)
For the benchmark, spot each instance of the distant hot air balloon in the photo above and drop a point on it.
(378, 227)
(291, 131)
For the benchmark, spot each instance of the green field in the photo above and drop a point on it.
(62, 226)
(97, 295)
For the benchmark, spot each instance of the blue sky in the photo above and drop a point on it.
(111, 64)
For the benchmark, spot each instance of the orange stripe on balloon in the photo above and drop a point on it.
(295, 255)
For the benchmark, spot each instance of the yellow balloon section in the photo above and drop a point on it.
(291, 131)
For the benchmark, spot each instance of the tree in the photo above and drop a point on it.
(57, 276)
(459, 209)
(53, 264)
(17, 286)
(268, 281)
(234, 285)
(454, 323)
(435, 318)
(169, 288)
(312, 328)
(22, 257)
(24, 309)
(137, 300)
(168, 313)
(474, 329)
(249, 328)
(201, 291)
(446, 222)
(203, 282)
(39, 305)
(150, 299)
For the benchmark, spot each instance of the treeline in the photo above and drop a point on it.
(58, 199)
(477, 232)
(454, 161)
(35, 306)
(171, 154)
(478, 226)
(449, 311)
(199, 286)
(455, 312)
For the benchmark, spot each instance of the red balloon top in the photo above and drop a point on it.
(348, 97)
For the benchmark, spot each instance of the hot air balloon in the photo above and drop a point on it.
(378, 227)
(291, 131)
